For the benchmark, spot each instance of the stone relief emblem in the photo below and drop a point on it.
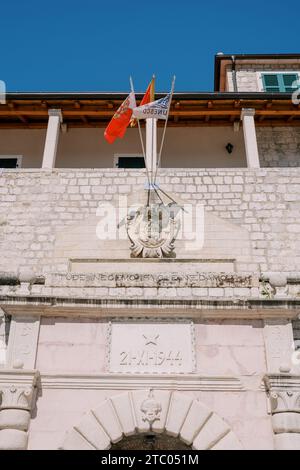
(152, 231)
(151, 408)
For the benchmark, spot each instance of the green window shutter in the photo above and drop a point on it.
(280, 82)
(271, 82)
(288, 80)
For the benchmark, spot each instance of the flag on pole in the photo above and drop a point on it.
(147, 98)
(120, 120)
(157, 109)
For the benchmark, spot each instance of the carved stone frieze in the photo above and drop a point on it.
(173, 278)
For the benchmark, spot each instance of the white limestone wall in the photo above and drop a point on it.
(46, 218)
(279, 146)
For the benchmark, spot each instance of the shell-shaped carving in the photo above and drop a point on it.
(124, 415)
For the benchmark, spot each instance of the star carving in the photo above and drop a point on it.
(151, 339)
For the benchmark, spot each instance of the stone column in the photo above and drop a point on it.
(55, 119)
(284, 399)
(247, 116)
(151, 146)
(18, 394)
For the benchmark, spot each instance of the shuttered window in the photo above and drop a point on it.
(280, 82)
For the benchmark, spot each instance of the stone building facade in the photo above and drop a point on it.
(199, 348)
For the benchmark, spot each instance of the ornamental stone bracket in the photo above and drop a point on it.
(284, 403)
(17, 398)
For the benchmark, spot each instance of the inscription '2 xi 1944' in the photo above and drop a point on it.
(151, 347)
(153, 358)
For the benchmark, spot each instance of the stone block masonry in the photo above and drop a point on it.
(279, 146)
(38, 206)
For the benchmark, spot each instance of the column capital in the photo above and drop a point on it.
(55, 112)
(17, 388)
(284, 392)
(247, 112)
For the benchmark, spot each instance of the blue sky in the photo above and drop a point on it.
(94, 45)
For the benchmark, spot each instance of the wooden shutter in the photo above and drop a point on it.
(271, 82)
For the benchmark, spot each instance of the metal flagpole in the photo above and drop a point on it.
(142, 143)
(165, 127)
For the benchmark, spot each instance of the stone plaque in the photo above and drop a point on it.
(156, 347)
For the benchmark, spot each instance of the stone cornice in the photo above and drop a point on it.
(108, 381)
(282, 382)
(101, 307)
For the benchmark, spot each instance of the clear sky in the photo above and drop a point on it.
(94, 45)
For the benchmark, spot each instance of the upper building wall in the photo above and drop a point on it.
(195, 147)
(86, 148)
(244, 72)
(249, 76)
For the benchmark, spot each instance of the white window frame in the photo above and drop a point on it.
(272, 72)
(18, 157)
(127, 155)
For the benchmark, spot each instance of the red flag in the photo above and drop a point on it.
(147, 98)
(120, 120)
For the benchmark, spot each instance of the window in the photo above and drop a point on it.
(280, 82)
(10, 161)
(129, 161)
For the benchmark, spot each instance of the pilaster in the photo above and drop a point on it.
(284, 399)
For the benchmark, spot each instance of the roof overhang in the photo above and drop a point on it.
(30, 110)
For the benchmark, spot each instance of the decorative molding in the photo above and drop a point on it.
(107, 307)
(157, 411)
(183, 382)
